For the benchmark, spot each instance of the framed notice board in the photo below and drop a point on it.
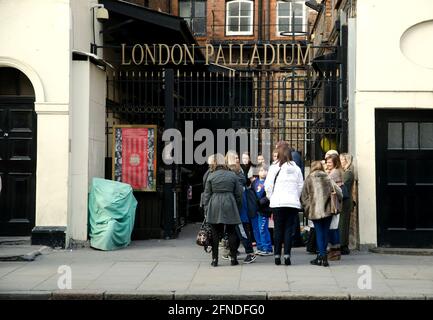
(134, 156)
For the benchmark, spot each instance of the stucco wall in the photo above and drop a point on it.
(88, 88)
(34, 37)
(386, 77)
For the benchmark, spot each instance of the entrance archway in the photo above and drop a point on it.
(17, 153)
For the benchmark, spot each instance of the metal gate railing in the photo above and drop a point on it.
(302, 105)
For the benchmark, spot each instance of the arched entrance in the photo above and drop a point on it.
(17, 153)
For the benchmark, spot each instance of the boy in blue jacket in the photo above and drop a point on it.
(261, 223)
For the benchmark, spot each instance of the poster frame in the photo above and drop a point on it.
(155, 159)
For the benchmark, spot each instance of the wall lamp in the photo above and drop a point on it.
(101, 12)
(314, 5)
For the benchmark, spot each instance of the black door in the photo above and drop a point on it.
(17, 165)
(404, 178)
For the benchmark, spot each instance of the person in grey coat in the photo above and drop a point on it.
(344, 223)
(222, 201)
(316, 200)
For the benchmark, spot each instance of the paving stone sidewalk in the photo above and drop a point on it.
(179, 269)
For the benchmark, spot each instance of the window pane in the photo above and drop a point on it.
(298, 9)
(284, 9)
(233, 9)
(426, 135)
(245, 9)
(245, 24)
(395, 135)
(200, 9)
(411, 135)
(298, 24)
(200, 25)
(283, 24)
(185, 9)
(234, 24)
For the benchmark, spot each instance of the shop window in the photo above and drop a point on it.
(239, 17)
(289, 12)
(194, 12)
(410, 136)
(395, 135)
(426, 135)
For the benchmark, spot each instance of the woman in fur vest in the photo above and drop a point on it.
(316, 200)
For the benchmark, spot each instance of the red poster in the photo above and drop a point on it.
(133, 164)
(134, 158)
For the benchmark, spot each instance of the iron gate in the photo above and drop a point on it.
(302, 105)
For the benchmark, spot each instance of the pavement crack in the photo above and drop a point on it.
(147, 276)
(193, 276)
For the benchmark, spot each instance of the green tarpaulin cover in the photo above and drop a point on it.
(111, 214)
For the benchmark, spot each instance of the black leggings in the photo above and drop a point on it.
(217, 234)
(284, 224)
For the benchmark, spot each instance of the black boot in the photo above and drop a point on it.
(325, 261)
(214, 263)
(277, 261)
(234, 261)
(318, 260)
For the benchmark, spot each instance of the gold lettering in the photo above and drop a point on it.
(273, 54)
(285, 54)
(230, 55)
(220, 55)
(209, 53)
(241, 58)
(255, 55)
(178, 62)
(167, 50)
(148, 52)
(188, 53)
(307, 54)
(278, 53)
(133, 54)
(123, 56)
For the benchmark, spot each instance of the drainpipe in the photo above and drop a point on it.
(268, 13)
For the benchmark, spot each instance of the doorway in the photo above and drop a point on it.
(404, 178)
(17, 153)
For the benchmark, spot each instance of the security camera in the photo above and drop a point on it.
(101, 14)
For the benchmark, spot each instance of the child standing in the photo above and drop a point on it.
(261, 222)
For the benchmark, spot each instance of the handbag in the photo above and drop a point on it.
(204, 236)
(335, 202)
(311, 241)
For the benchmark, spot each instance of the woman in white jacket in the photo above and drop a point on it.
(283, 187)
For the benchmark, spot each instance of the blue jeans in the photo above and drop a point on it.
(265, 243)
(322, 230)
(284, 224)
(242, 233)
(334, 236)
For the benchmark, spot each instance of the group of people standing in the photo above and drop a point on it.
(239, 198)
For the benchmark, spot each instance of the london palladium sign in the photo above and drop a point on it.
(231, 54)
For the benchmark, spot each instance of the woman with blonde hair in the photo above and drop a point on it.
(244, 229)
(316, 200)
(335, 172)
(344, 223)
(222, 201)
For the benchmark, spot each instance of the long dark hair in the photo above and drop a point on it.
(284, 154)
